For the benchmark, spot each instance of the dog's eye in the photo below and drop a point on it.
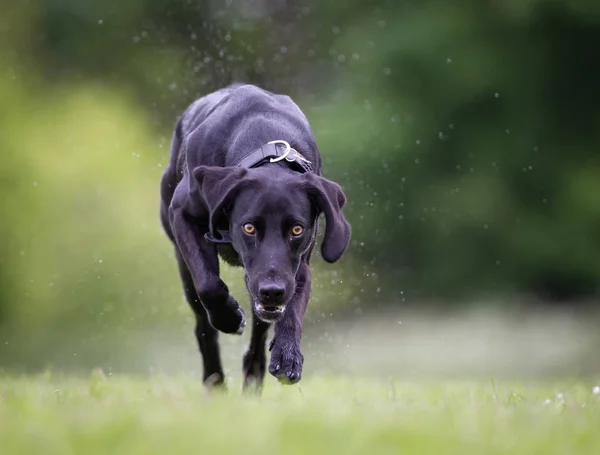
(297, 230)
(249, 228)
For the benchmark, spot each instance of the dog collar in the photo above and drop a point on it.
(275, 151)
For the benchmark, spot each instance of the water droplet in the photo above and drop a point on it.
(387, 71)
(100, 22)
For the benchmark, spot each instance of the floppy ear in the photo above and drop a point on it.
(330, 199)
(218, 186)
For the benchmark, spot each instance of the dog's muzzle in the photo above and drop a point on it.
(268, 313)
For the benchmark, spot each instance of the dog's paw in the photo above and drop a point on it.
(227, 317)
(215, 383)
(286, 361)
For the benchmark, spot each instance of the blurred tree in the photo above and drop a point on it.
(473, 131)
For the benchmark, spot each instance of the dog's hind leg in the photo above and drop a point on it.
(206, 334)
(255, 358)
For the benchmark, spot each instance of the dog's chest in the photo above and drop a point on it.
(229, 255)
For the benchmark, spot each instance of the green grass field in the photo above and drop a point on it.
(323, 415)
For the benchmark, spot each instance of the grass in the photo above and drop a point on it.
(324, 415)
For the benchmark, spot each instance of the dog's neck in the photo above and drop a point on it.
(274, 152)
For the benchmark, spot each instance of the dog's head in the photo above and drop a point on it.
(272, 222)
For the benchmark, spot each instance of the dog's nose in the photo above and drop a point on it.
(272, 293)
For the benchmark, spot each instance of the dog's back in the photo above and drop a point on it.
(235, 120)
(200, 109)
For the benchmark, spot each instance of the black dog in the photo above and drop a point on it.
(229, 189)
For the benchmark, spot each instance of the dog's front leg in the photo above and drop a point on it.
(286, 356)
(224, 313)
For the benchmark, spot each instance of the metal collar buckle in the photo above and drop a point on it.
(286, 154)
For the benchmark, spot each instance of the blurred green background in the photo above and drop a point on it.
(465, 135)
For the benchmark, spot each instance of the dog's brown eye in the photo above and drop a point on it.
(297, 230)
(249, 228)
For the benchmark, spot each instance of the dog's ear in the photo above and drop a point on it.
(218, 186)
(330, 199)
